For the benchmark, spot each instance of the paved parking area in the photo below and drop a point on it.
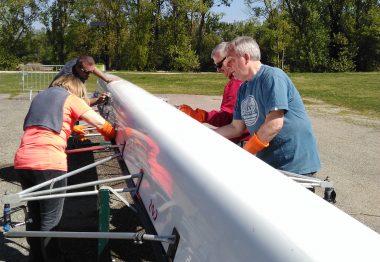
(349, 146)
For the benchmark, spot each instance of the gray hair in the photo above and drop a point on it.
(246, 45)
(220, 48)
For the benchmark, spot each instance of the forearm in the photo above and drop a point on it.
(271, 127)
(235, 129)
(92, 101)
(93, 118)
(101, 75)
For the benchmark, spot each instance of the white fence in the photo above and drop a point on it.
(37, 77)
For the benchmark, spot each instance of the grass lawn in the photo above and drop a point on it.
(357, 91)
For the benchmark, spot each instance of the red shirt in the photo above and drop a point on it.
(43, 149)
(225, 114)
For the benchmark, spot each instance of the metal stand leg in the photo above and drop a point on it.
(104, 215)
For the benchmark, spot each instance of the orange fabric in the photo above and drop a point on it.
(198, 114)
(41, 148)
(186, 109)
(79, 129)
(255, 145)
(79, 132)
(107, 131)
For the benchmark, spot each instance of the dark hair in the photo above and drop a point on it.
(85, 60)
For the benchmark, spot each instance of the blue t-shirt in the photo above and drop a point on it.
(294, 148)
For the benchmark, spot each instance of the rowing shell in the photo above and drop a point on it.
(223, 203)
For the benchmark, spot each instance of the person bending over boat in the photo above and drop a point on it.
(270, 106)
(223, 116)
(41, 155)
(81, 68)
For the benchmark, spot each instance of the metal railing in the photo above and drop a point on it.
(37, 77)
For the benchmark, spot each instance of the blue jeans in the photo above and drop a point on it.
(46, 215)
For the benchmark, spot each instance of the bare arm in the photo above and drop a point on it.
(101, 75)
(272, 126)
(93, 118)
(235, 129)
(97, 100)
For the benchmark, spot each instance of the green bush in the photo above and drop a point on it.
(8, 62)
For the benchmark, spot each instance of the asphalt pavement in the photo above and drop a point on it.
(349, 146)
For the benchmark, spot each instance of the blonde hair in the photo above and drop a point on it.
(72, 84)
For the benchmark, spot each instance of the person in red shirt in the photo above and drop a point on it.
(223, 116)
(41, 155)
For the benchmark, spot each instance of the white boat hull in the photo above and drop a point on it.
(226, 204)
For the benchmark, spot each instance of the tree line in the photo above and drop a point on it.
(178, 35)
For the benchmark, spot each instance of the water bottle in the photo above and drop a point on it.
(7, 217)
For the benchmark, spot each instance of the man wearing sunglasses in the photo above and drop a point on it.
(82, 67)
(223, 116)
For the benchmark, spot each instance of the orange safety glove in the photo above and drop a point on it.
(107, 131)
(79, 132)
(198, 114)
(255, 145)
(79, 129)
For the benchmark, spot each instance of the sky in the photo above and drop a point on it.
(236, 12)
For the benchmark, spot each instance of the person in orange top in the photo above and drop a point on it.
(41, 155)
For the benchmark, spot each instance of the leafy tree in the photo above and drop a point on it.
(207, 44)
(37, 47)
(274, 36)
(309, 48)
(16, 19)
(109, 38)
(367, 34)
(299, 35)
(180, 54)
(342, 60)
(140, 34)
(56, 19)
(339, 21)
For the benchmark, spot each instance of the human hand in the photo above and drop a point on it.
(198, 114)
(108, 80)
(186, 109)
(79, 132)
(78, 129)
(102, 98)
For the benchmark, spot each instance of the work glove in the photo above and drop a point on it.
(255, 145)
(79, 129)
(79, 132)
(107, 131)
(198, 114)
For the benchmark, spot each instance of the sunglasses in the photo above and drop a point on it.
(220, 64)
(85, 71)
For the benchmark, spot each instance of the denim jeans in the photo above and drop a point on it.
(46, 215)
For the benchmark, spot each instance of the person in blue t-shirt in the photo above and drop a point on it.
(270, 107)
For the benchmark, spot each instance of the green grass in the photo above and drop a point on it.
(356, 91)
(10, 83)
(178, 83)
